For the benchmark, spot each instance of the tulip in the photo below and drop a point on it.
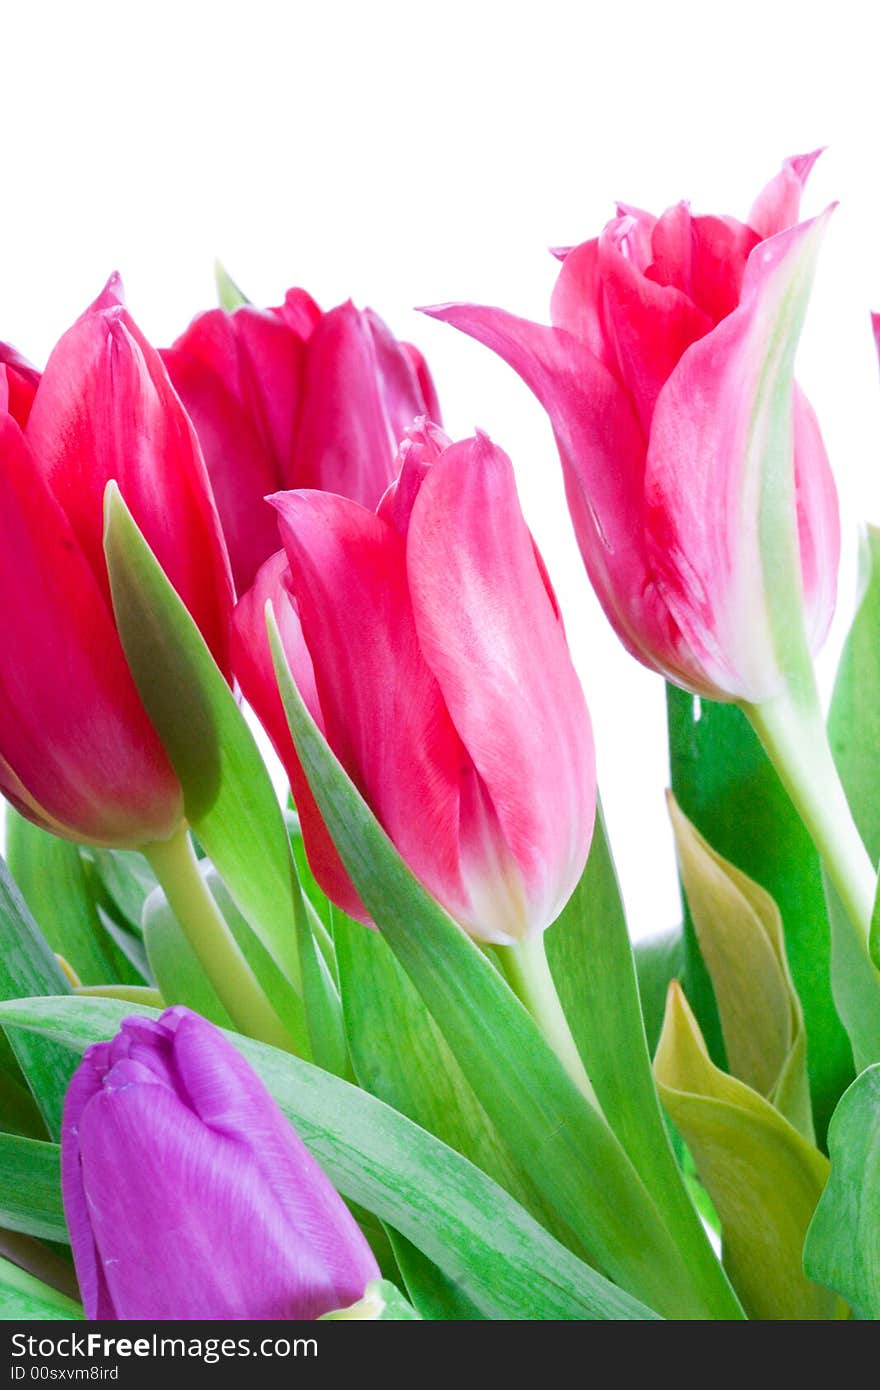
(293, 397)
(77, 753)
(696, 475)
(187, 1193)
(426, 641)
(699, 487)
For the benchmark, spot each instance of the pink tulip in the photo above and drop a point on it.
(695, 472)
(426, 641)
(293, 397)
(77, 752)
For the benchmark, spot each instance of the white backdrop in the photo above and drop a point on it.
(406, 153)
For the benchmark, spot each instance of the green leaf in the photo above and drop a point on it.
(843, 1243)
(478, 1235)
(400, 1055)
(228, 795)
(52, 879)
(433, 1294)
(24, 1298)
(127, 879)
(725, 784)
(853, 731)
(30, 1188)
(659, 959)
(323, 1006)
(28, 967)
(550, 1130)
(592, 964)
(763, 1177)
(228, 293)
(741, 940)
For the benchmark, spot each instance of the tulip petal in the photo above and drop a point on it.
(818, 521)
(84, 1086)
(650, 324)
(360, 392)
(428, 390)
(383, 712)
(241, 471)
(719, 480)
(18, 384)
(603, 458)
(253, 668)
(720, 249)
(777, 206)
(576, 303)
(488, 631)
(72, 727)
(105, 410)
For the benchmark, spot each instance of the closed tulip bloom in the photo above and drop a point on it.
(426, 641)
(293, 397)
(77, 752)
(695, 471)
(187, 1193)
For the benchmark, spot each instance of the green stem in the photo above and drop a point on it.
(793, 733)
(176, 867)
(528, 974)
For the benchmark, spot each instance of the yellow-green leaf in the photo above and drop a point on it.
(741, 939)
(762, 1174)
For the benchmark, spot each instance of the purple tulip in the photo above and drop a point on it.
(188, 1194)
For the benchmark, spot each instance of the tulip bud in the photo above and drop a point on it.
(695, 472)
(293, 397)
(426, 642)
(77, 753)
(187, 1193)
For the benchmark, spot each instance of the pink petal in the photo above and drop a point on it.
(241, 471)
(721, 247)
(490, 634)
(650, 325)
(255, 672)
(18, 384)
(818, 521)
(576, 303)
(384, 715)
(72, 729)
(359, 393)
(106, 409)
(777, 206)
(706, 475)
(299, 312)
(427, 389)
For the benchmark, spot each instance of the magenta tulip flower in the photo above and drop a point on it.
(293, 397)
(426, 641)
(695, 472)
(77, 752)
(187, 1193)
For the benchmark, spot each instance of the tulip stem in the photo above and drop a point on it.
(793, 733)
(177, 869)
(525, 965)
(792, 730)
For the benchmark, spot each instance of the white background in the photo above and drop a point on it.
(407, 153)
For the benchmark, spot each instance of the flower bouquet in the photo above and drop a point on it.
(386, 1050)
